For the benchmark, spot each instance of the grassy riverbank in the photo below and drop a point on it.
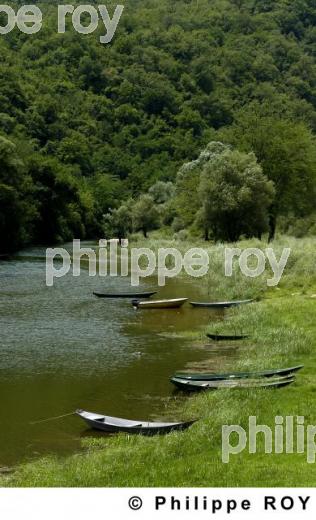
(283, 333)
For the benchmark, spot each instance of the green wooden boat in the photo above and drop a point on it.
(198, 386)
(221, 305)
(196, 376)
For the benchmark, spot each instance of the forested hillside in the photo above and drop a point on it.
(85, 126)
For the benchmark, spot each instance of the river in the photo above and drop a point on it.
(61, 349)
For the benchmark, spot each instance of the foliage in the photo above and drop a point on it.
(298, 227)
(286, 150)
(145, 214)
(231, 196)
(162, 192)
(235, 196)
(134, 111)
(16, 210)
(118, 223)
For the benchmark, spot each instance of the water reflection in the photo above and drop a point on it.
(62, 348)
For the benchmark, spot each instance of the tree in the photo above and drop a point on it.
(16, 209)
(162, 192)
(118, 222)
(171, 79)
(145, 214)
(10, 218)
(106, 189)
(286, 151)
(235, 196)
(61, 212)
(187, 181)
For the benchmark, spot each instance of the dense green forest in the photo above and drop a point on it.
(100, 138)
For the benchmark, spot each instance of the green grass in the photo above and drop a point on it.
(283, 333)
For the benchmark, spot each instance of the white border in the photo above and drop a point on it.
(101, 503)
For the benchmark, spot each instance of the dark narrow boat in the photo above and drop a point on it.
(220, 305)
(227, 337)
(196, 376)
(125, 295)
(198, 386)
(115, 424)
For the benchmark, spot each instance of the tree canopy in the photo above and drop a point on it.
(93, 125)
(286, 151)
(232, 195)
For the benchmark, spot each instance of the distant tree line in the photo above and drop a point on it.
(226, 194)
(92, 134)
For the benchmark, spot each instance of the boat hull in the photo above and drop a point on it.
(200, 386)
(108, 424)
(222, 337)
(160, 304)
(220, 305)
(281, 372)
(125, 295)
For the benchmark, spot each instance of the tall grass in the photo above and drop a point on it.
(299, 273)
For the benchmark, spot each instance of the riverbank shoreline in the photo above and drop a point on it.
(282, 333)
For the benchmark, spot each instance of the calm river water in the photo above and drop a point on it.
(61, 348)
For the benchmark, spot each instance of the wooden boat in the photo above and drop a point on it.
(125, 295)
(197, 386)
(196, 376)
(115, 424)
(220, 305)
(227, 337)
(160, 304)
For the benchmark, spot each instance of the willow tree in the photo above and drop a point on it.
(145, 215)
(187, 182)
(224, 193)
(235, 196)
